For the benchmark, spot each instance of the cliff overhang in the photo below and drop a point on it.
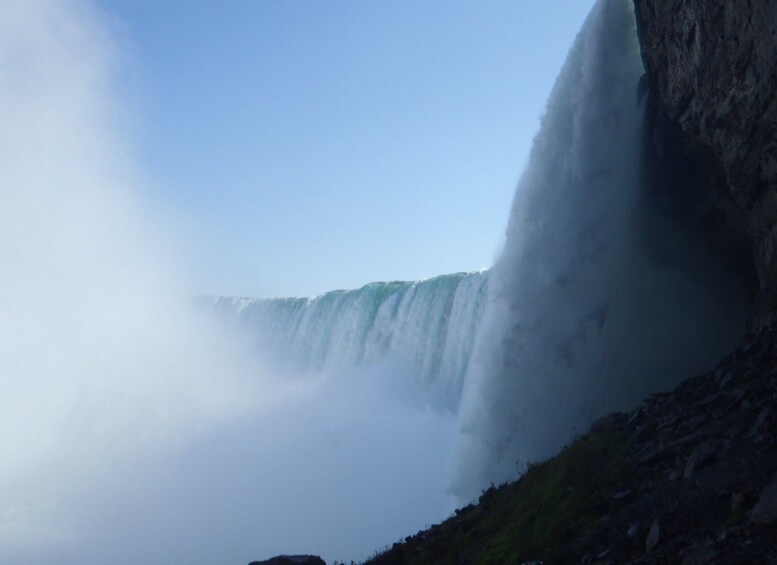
(711, 77)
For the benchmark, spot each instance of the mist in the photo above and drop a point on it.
(133, 427)
(103, 362)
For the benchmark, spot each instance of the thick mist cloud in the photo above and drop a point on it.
(131, 430)
(102, 361)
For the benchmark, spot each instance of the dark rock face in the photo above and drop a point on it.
(291, 560)
(711, 68)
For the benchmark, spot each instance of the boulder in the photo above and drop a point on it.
(291, 560)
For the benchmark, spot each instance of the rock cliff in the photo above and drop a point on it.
(711, 73)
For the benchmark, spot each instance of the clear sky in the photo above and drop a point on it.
(297, 147)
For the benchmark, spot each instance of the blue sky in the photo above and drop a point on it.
(297, 147)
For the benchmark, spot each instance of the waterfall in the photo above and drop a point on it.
(597, 298)
(428, 326)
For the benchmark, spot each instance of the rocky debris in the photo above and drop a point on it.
(705, 460)
(652, 538)
(700, 456)
(710, 66)
(702, 486)
(291, 560)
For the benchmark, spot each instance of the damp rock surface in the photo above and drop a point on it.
(711, 66)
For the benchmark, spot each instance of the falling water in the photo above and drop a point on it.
(597, 298)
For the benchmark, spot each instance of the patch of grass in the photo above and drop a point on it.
(558, 501)
(537, 518)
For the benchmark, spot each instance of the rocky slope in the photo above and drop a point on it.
(687, 477)
(705, 462)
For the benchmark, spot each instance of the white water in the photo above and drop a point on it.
(597, 299)
(427, 327)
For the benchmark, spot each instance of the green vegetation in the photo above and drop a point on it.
(537, 518)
